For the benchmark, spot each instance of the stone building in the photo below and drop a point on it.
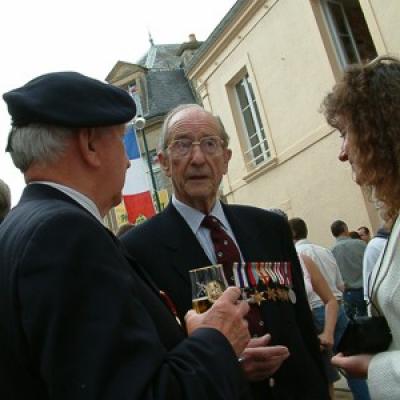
(264, 70)
(158, 83)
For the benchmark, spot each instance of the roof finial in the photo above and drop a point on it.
(151, 39)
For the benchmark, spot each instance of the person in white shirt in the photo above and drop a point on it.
(326, 263)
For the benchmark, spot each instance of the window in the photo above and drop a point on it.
(257, 150)
(132, 89)
(349, 31)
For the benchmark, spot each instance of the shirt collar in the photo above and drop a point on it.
(194, 217)
(80, 198)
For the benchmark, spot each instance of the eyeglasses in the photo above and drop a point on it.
(209, 145)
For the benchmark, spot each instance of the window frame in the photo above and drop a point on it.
(335, 34)
(252, 159)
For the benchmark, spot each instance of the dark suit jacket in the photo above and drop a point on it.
(168, 249)
(77, 322)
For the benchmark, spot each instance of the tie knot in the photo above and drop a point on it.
(211, 222)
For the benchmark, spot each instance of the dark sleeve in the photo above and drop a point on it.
(303, 313)
(89, 334)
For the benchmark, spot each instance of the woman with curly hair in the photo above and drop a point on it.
(365, 107)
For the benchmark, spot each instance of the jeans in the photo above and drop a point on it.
(354, 303)
(357, 386)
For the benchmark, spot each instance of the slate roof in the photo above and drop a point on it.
(166, 90)
(161, 56)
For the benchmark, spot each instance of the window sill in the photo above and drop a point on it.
(261, 169)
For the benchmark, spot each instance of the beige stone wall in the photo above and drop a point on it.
(280, 45)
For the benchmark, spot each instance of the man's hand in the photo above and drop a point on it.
(259, 361)
(355, 366)
(227, 316)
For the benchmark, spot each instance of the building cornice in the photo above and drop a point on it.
(122, 72)
(223, 35)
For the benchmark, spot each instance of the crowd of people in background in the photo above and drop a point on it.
(88, 314)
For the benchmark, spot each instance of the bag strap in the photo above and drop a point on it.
(375, 284)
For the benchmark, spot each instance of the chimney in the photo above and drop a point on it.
(192, 38)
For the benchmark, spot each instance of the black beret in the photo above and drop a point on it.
(69, 99)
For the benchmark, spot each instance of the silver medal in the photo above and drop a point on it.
(292, 296)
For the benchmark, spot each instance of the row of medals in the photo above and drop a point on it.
(275, 276)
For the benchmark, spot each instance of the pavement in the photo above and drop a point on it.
(342, 391)
(343, 395)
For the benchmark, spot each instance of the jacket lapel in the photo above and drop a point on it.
(184, 250)
(245, 233)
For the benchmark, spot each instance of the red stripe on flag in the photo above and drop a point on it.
(139, 204)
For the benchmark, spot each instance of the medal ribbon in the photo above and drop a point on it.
(262, 273)
(242, 275)
(277, 270)
(239, 275)
(235, 268)
(170, 305)
(268, 269)
(250, 275)
(255, 273)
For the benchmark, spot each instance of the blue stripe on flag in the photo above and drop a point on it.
(130, 142)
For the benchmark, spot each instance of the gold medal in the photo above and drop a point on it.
(257, 297)
(271, 294)
(214, 289)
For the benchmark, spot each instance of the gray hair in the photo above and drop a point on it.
(5, 199)
(37, 143)
(165, 127)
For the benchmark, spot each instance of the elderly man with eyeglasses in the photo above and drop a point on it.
(282, 360)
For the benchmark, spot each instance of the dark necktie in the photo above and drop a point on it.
(225, 248)
(227, 253)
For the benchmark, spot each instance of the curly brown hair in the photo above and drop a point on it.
(366, 104)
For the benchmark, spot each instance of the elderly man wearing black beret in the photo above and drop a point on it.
(76, 321)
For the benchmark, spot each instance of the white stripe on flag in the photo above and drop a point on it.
(136, 180)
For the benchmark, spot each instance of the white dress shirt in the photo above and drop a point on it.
(194, 219)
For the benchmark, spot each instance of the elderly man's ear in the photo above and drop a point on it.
(227, 158)
(88, 142)
(164, 162)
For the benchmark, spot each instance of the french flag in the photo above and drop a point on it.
(136, 191)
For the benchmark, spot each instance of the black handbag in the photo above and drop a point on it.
(369, 335)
